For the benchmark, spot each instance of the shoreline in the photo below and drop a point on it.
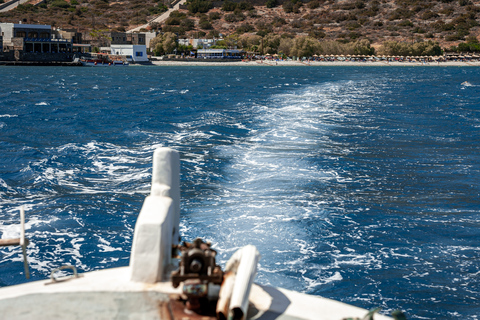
(317, 63)
(266, 63)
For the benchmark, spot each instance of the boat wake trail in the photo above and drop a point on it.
(276, 184)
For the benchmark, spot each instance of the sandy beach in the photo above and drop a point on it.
(268, 63)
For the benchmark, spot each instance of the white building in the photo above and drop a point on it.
(135, 53)
(196, 43)
(219, 54)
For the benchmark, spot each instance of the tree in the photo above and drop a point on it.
(271, 43)
(163, 43)
(305, 46)
(285, 46)
(249, 42)
(362, 47)
(422, 48)
(231, 41)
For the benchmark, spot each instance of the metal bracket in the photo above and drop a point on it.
(56, 280)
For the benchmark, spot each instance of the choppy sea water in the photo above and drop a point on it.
(360, 184)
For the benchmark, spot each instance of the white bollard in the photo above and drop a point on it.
(166, 174)
(157, 227)
(152, 241)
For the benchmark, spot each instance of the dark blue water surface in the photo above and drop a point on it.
(360, 184)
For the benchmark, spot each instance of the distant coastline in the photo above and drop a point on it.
(268, 63)
(317, 63)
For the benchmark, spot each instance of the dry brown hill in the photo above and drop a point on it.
(447, 22)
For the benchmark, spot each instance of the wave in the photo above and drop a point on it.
(273, 182)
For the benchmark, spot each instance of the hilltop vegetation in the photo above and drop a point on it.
(354, 26)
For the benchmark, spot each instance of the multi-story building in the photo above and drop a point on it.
(128, 38)
(30, 38)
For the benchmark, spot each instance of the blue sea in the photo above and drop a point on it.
(360, 184)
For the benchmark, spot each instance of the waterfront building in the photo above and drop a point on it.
(199, 43)
(34, 43)
(133, 53)
(106, 39)
(219, 54)
(31, 38)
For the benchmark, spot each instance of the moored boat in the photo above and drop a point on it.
(102, 61)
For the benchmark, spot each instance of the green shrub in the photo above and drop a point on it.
(271, 3)
(230, 17)
(229, 6)
(205, 25)
(428, 15)
(418, 30)
(172, 21)
(352, 26)
(447, 11)
(187, 24)
(201, 6)
(468, 47)
(245, 6)
(406, 23)
(314, 4)
(161, 7)
(138, 20)
(359, 4)
(177, 14)
(464, 2)
(27, 7)
(354, 35)
(401, 13)
(174, 29)
(278, 22)
(244, 28)
(60, 4)
(287, 6)
(214, 15)
(262, 33)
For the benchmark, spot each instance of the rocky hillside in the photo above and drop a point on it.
(446, 22)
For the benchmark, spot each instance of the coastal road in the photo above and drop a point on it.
(162, 17)
(13, 5)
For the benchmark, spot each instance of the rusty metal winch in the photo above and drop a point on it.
(197, 270)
